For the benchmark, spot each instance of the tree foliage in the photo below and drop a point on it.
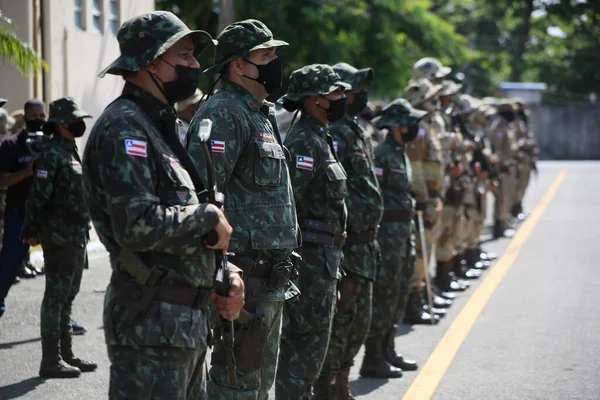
(15, 51)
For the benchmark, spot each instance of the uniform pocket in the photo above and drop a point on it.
(178, 187)
(268, 167)
(336, 187)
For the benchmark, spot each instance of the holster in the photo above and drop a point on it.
(348, 300)
(250, 340)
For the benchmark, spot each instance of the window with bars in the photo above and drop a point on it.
(79, 14)
(98, 15)
(114, 16)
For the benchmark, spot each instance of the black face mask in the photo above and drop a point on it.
(360, 103)
(184, 86)
(77, 128)
(34, 125)
(269, 75)
(336, 110)
(413, 132)
(508, 115)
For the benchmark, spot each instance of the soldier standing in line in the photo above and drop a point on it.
(361, 251)
(146, 202)
(396, 238)
(57, 217)
(527, 156)
(251, 170)
(319, 183)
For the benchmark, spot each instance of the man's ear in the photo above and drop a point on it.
(238, 67)
(153, 67)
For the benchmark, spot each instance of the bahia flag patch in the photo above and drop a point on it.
(136, 148)
(217, 146)
(304, 162)
(43, 174)
(379, 171)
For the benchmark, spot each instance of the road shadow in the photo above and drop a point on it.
(10, 345)
(366, 385)
(19, 389)
(403, 329)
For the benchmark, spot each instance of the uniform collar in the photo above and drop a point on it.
(313, 123)
(158, 111)
(392, 143)
(248, 98)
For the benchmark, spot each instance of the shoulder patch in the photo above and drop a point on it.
(264, 136)
(378, 171)
(136, 148)
(217, 146)
(42, 174)
(304, 162)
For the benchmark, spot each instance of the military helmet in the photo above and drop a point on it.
(65, 111)
(240, 39)
(354, 77)
(430, 68)
(398, 113)
(311, 80)
(420, 90)
(144, 38)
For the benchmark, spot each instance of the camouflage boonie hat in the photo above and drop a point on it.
(506, 105)
(450, 87)
(430, 68)
(467, 104)
(2, 102)
(65, 111)
(420, 90)
(240, 39)
(354, 77)
(144, 38)
(311, 80)
(398, 113)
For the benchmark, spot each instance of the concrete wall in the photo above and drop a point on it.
(567, 132)
(75, 55)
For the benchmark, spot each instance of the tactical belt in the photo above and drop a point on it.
(398, 216)
(272, 275)
(325, 233)
(197, 298)
(362, 237)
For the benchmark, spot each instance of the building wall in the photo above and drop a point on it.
(75, 55)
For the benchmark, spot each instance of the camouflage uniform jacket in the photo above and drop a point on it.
(142, 199)
(318, 179)
(425, 155)
(56, 202)
(364, 201)
(251, 171)
(394, 173)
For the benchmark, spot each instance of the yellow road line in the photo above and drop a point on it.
(430, 376)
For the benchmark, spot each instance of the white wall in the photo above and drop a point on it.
(14, 86)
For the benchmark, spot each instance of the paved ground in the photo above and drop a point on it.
(537, 338)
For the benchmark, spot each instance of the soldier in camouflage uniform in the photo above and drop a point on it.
(527, 155)
(396, 238)
(319, 183)
(425, 155)
(361, 251)
(57, 216)
(251, 170)
(144, 198)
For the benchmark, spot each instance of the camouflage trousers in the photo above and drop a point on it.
(506, 194)
(157, 372)
(307, 323)
(64, 269)
(350, 324)
(255, 371)
(390, 289)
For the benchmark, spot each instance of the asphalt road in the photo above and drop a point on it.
(537, 338)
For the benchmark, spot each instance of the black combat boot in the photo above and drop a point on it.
(446, 280)
(325, 388)
(53, 366)
(485, 255)
(462, 270)
(474, 261)
(66, 351)
(394, 358)
(415, 315)
(375, 364)
(342, 382)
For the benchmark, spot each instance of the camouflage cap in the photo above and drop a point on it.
(238, 40)
(144, 38)
(420, 90)
(2, 102)
(467, 104)
(354, 77)
(398, 113)
(450, 87)
(312, 80)
(430, 68)
(65, 111)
